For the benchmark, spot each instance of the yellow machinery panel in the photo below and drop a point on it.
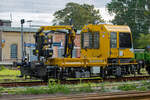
(109, 43)
(77, 62)
(101, 45)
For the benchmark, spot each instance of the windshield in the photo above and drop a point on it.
(125, 40)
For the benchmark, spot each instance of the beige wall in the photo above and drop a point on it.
(14, 38)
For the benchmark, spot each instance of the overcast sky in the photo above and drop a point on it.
(41, 11)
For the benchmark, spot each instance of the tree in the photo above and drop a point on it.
(132, 13)
(143, 40)
(81, 14)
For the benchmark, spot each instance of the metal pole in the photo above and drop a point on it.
(22, 42)
(30, 21)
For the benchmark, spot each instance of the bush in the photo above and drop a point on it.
(2, 68)
(146, 84)
(126, 87)
(53, 87)
(32, 91)
(1, 89)
(142, 88)
(102, 88)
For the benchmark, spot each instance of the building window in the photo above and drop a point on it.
(13, 51)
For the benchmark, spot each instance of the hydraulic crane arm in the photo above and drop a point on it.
(69, 38)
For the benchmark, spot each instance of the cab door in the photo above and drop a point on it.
(113, 45)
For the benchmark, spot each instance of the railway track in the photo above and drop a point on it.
(16, 84)
(132, 95)
(75, 81)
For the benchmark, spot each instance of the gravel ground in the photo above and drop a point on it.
(39, 97)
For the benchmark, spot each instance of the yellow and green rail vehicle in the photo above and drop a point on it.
(106, 50)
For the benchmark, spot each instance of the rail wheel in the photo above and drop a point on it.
(118, 73)
(103, 72)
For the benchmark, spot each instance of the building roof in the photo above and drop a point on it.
(18, 29)
(6, 21)
(25, 29)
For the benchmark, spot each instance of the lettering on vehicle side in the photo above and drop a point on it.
(96, 61)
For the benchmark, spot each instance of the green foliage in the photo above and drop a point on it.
(53, 87)
(86, 88)
(132, 13)
(32, 90)
(146, 84)
(141, 88)
(2, 68)
(143, 41)
(127, 87)
(9, 72)
(103, 88)
(1, 89)
(81, 14)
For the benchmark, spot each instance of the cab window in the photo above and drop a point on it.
(125, 40)
(86, 39)
(113, 40)
(96, 40)
(90, 40)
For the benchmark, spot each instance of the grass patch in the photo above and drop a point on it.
(102, 88)
(1, 90)
(8, 72)
(8, 75)
(32, 90)
(145, 85)
(54, 87)
(127, 87)
(142, 86)
(86, 88)
(2, 68)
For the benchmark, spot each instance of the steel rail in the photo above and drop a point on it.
(131, 95)
(75, 81)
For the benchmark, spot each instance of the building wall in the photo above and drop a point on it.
(15, 38)
(60, 37)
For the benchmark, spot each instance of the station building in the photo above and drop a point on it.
(10, 43)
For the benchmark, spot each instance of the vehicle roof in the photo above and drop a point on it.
(117, 28)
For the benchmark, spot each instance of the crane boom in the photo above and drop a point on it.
(69, 39)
